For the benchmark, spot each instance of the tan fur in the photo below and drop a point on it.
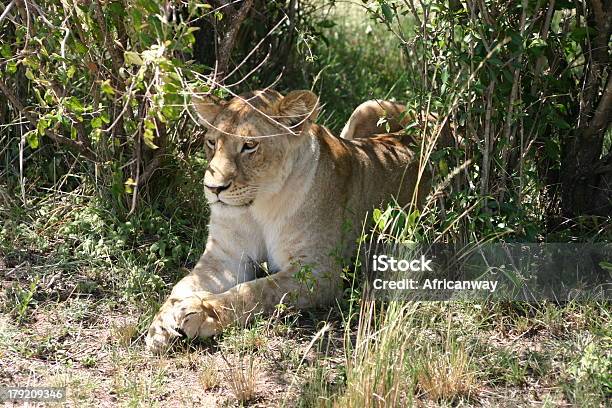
(297, 203)
(374, 117)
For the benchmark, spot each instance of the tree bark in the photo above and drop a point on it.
(583, 182)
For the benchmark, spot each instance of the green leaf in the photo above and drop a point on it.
(560, 123)
(74, 104)
(49, 96)
(129, 185)
(387, 12)
(106, 88)
(606, 265)
(579, 33)
(96, 122)
(132, 58)
(413, 217)
(116, 9)
(32, 139)
(148, 124)
(5, 51)
(148, 137)
(443, 166)
(376, 215)
(149, 5)
(80, 48)
(11, 67)
(32, 62)
(42, 125)
(327, 24)
(70, 72)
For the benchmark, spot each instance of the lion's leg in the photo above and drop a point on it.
(220, 268)
(204, 315)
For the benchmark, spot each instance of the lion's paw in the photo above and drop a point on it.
(197, 317)
(161, 333)
(193, 316)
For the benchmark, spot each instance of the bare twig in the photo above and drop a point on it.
(6, 10)
(486, 162)
(245, 59)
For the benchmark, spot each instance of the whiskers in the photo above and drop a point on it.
(262, 188)
(245, 195)
(240, 195)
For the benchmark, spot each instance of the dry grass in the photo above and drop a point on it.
(209, 375)
(447, 375)
(124, 333)
(376, 366)
(242, 378)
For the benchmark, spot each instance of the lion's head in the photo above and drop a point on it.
(249, 142)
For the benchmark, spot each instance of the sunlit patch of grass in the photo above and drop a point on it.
(208, 375)
(375, 365)
(138, 385)
(360, 61)
(317, 389)
(586, 378)
(447, 375)
(241, 377)
(246, 339)
(124, 334)
(80, 390)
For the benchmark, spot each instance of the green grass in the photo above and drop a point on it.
(349, 67)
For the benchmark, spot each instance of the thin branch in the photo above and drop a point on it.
(245, 59)
(6, 11)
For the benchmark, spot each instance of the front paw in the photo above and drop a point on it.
(162, 331)
(197, 317)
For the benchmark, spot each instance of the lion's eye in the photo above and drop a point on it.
(211, 144)
(250, 146)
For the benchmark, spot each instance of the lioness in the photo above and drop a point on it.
(284, 191)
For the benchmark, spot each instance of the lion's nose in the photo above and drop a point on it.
(218, 189)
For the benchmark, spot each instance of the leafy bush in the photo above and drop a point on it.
(102, 89)
(525, 89)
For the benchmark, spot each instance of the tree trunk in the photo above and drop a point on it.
(583, 170)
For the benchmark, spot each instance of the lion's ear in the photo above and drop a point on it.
(298, 109)
(207, 108)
